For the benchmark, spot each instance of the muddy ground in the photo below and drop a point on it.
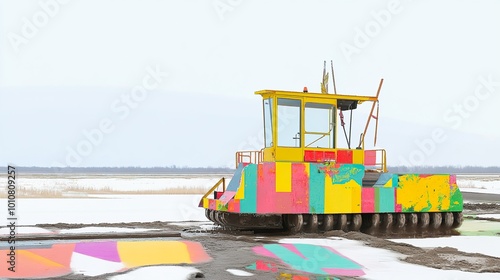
(233, 249)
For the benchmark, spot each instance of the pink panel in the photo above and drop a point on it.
(212, 204)
(282, 203)
(266, 187)
(453, 179)
(228, 195)
(344, 271)
(294, 249)
(398, 208)
(261, 250)
(300, 188)
(368, 200)
(370, 157)
(234, 206)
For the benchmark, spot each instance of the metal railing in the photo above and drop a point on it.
(215, 187)
(248, 157)
(380, 160)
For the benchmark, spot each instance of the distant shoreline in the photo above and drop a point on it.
(467, 170)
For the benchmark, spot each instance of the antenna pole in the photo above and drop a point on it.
(333, 79)
(362, 142)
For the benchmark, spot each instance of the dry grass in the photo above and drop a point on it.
(82, 192)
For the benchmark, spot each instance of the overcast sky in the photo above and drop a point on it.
(160, 83)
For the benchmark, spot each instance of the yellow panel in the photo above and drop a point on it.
(342, 198)
(205, 203)
(289, 154)
(268, 155)
(388, 184)
(240, 193)
(358, 156)
(356, 197)
(134, 254)
(329, 193)
(283, 177)
(424, 193)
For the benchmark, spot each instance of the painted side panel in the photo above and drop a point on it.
(266, 187)
(368, 200)
(300, 188)
(358, 156)
(283, 176)
(316, 189)
(370, 158)
(421, 193)
(304, 187)
(384, 200)
(249, 204)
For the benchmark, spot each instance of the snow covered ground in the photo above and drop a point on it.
(479, 183)
(115, 208)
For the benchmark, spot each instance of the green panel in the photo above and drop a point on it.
(456, 200)
(249, 203)
(384, 200)
(316, 189)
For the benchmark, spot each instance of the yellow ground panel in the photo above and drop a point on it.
(240, 193)
(358, 156)
(134, 254)
(283, 176)
(430, 193)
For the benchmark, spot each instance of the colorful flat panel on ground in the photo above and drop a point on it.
(307, 258)
(63, 259)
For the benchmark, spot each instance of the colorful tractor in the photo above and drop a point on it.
(302, 181)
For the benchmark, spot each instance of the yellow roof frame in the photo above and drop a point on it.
(326, 96)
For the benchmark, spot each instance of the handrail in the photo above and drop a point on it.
(382, 165)
(248, 157)
(221, 181)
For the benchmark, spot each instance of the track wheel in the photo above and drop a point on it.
(207, 213)
(375, 220)
(436, 220)
(400, 220)
(412, 220)
(424, 220)
(341, 222)
(387, 220)
(458, 218)
(448, 219)
(293, 222)
(211, 215)
(356, 222)
(312, 223)
(217, 217)
(223, 218)
(327, 223)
